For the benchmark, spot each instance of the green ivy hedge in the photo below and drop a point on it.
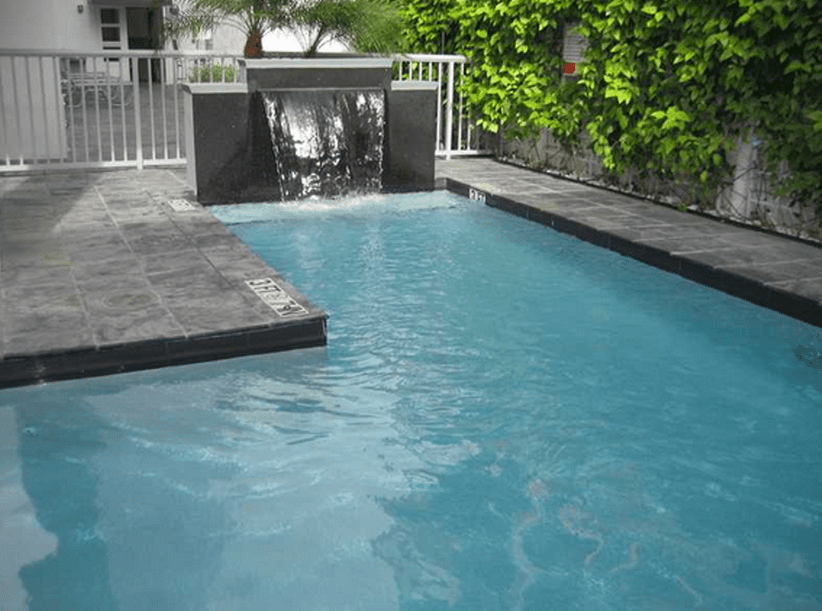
(666, 88)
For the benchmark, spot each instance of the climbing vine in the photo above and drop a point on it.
(666, 87)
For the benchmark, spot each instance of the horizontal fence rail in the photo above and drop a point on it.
(64, 110)
(456, 131)
(96, 110)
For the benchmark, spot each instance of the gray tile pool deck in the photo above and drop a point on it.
(99, 273)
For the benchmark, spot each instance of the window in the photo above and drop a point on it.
(111, 28)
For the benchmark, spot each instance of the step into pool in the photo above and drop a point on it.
(504, 417)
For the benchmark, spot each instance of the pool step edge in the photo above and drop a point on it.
(23, 370)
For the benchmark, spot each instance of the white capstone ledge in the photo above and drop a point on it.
(319, 62)
(199, 88)
(413, 86)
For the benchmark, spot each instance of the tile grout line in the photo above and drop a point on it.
(80, 293)
(142, 270)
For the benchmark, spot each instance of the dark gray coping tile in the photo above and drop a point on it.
(598, 222)
(778, 272)
(108, 274)
(210, 315)
(148, 323)
(555, 199)
(41, 298)
(40, 325)
(35, 255)
(116, 204)
(85, 214)
(810, 288)
(739, 255)
(200, 279)
(174, 296)
(162, 263)
(795, 251)
(137, 215)
(28, 238)
(27, 343)
(160, 243)
(299, 333)
(133, 356)
(71, 227)
(44, 224)
(138, 228)
(601, 212)
(237, 266)
(214, 240)
(19, 371)
(51, 275)
(103, 253)
(686, 244)
(94, 240)
(121, 301)
(197, 225)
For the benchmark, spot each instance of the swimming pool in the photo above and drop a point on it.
(504, 418)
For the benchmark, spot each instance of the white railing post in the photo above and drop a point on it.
(138, 120)
(440, 141)
(59, 104)
(449, 111)
(16, 113)
(460, 116)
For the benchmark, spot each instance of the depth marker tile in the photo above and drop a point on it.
(276, 298)
(180, 205)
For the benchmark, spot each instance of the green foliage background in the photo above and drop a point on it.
(369, 26)
(667, 86)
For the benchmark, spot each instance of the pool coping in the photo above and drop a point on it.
(735, 280)
(113, 272)
(22, 370)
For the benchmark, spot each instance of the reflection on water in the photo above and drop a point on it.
(55, 455)
(503, 419)
(22, 539)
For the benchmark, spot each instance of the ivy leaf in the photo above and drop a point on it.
(675, 118)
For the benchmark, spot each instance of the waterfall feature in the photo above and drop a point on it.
(326, 142)
(298, 128)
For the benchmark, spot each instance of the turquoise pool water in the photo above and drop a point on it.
(504, 418)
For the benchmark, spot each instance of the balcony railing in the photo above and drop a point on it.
(457, 133)
(64, 110)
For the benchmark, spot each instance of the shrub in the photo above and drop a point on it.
(212, 74)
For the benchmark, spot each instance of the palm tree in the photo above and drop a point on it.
(365, 25)
(368, 26)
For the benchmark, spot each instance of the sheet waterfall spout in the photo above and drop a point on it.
(326, 142)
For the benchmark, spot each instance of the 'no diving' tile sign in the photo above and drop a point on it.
(277, 299)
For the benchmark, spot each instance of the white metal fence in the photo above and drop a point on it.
(456, 131)
(65, 110)
(87, 110)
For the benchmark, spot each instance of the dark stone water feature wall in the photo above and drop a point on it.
(240, 142)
